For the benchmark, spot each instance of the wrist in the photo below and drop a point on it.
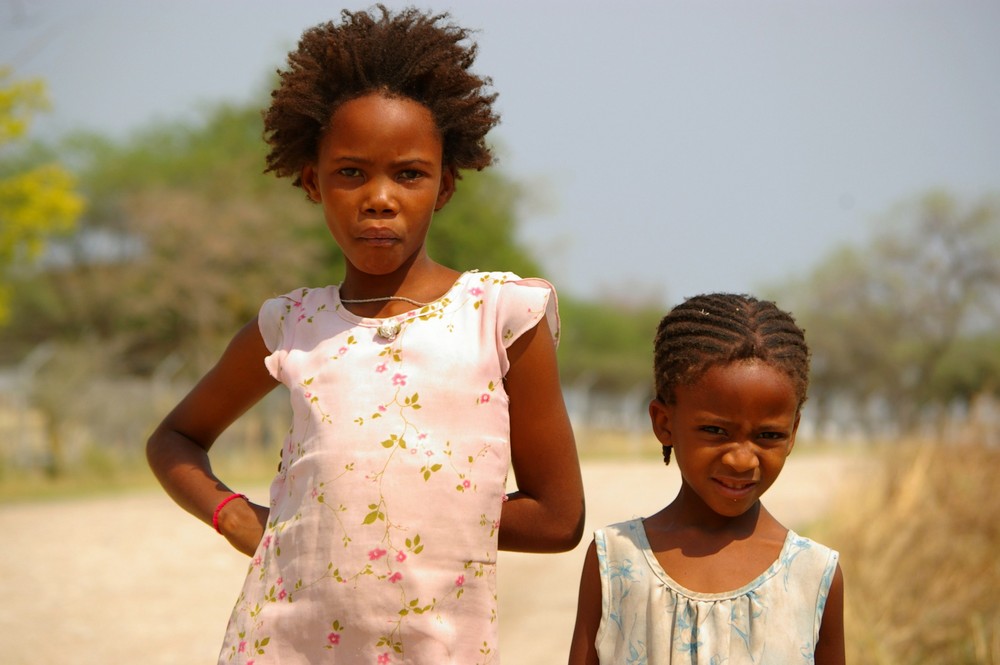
(223, 504)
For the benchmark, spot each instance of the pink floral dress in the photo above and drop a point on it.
(382, 538)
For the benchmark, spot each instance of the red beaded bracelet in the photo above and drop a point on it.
(222, 504)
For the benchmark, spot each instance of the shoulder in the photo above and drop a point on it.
(811, 564)
(626, 526)
(504, 281)
(306, 294)
(629, 534)
(521, 303)
(302, 297)
(277, 314)
(797, 546)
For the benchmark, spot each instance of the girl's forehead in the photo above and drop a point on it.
(741, 376)
(380, 121)
(377, 105)
(740, 392)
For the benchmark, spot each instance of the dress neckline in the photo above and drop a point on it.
(654, 563)
(375, 322)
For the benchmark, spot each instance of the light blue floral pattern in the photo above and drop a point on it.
(648, 618)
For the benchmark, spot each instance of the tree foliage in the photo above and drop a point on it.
(478, 227)
(185, 237)
(907, 322)
(35, 201)
(606, 348)
(182, 241)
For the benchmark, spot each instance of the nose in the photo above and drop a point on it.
(380, 197)
(742, 457)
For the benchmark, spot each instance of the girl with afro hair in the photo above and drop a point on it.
(413, 387)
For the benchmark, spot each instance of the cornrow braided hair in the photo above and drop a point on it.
(717, 329)
(410, 54)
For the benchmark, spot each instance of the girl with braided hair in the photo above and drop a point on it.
(713, 577)
(413, 387)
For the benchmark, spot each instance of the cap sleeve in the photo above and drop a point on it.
(522, 304)
(271, 320)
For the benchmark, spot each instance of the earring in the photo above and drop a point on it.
(666, 454)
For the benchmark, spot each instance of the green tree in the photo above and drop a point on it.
(607, 348)
(35, 202)
(185, 237)
(892, 322)
(183, 240)
(478, 227)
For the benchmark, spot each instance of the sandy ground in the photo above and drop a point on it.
(134, 580)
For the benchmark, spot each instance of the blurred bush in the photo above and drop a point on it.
(919, 546)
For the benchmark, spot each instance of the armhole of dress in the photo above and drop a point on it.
(539, 301)
(601, 547)
(824, 591)
(269, 322)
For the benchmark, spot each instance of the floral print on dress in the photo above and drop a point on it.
(381, 541)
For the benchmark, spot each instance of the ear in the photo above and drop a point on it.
(448, 178)
(310, 182)
(660, 416)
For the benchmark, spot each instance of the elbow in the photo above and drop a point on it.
(570, 529)
(155, 453)
(162, 451)
(152, 450)
(577, 535)
(156, 447)
(542, 525)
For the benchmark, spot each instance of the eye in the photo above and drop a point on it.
(712, 429)
(410, 174)
(773, 436)
(350, 172)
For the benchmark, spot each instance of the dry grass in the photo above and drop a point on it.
(920, 548)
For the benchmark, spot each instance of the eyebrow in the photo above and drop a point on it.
(706, 417)
(406, 161)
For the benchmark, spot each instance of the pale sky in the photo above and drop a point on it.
(674, 147)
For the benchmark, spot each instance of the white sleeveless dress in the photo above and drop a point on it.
(649, 619)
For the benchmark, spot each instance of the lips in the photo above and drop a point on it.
(378, 236)
(734, 488)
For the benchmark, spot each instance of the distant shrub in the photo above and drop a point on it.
(920, 548)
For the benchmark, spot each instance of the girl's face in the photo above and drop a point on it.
(379, 176)
(731, 431)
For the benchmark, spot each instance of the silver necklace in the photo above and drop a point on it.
(386, 331)
(385, 299)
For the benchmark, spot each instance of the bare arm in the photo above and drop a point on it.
(177, 450)
(546, 513)
(583, 648)
(830, 647)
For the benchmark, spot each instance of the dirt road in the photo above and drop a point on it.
(134, 580)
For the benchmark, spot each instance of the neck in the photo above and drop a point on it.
(689, 511)
(419, 282)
